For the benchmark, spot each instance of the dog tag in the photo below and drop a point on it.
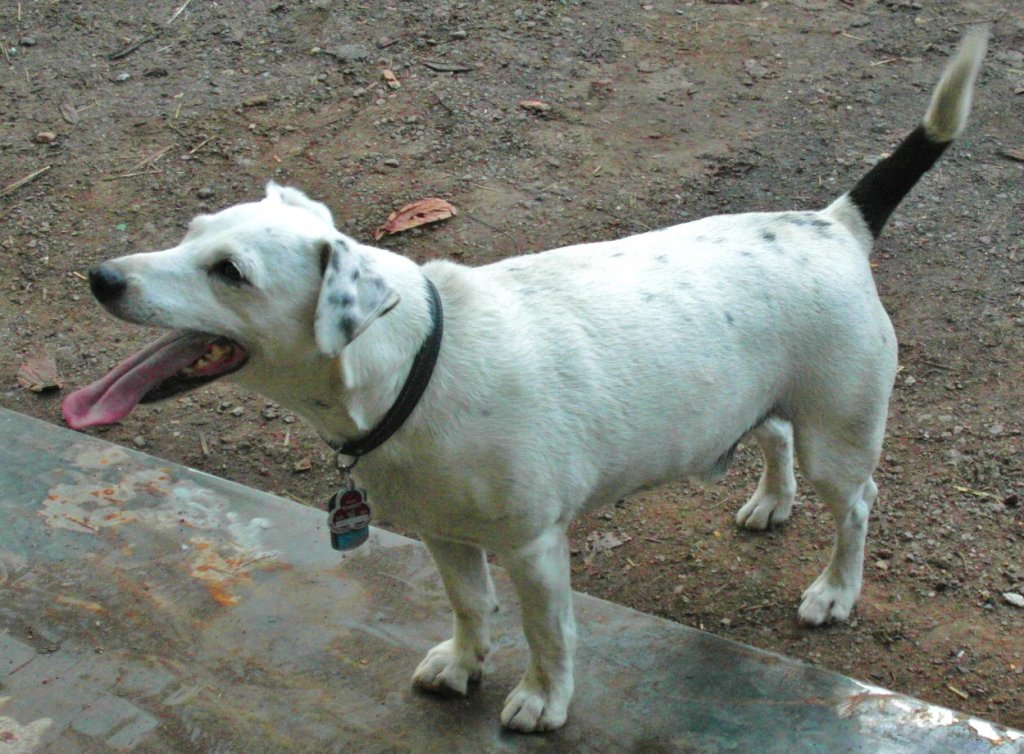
(348, 518)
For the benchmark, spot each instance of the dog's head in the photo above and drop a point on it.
(252, 287)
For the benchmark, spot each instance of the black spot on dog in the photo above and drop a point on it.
(729, 318)
(528, 291)
(769, 236)
(648, 297)
(344, 300)
(747, 254)
(355, 274)
(616, 255)
(822, 226)
(347, 326)
(662, 258)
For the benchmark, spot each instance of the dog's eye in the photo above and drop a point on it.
(227, 270)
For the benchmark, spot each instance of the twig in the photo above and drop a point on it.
(958, 692)
(203, 445)
(442, 103)
(298, 499)
(201, 144)
(148, 162)
(118, 177)
(126, 51)
(515, 244)
(178, 12)
(885, 62)
(10, 188)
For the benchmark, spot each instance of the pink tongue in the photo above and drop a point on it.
(111, 398)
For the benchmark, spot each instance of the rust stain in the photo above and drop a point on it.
(220, 571)
(221, 595)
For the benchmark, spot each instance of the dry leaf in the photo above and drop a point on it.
(420, 212)
(535, 105)
(39, 373)
(69, 112)
(1014, 154)
(391, 79)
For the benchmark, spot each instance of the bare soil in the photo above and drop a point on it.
(660, 112)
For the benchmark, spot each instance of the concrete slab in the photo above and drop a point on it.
(151, 608)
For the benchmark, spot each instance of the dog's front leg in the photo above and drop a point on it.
(540, 573)
(452, 664)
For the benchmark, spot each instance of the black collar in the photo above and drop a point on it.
(411, 392)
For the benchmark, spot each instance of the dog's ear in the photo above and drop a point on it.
(352, 296)
(295, 198)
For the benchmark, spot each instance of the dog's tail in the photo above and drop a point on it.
(879, 192)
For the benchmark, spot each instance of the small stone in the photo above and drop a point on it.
(726, 622)
(122, 77)
(349, 53)
(459, 34)
(391, 162)
(1014, 599)
(755, 69)
(140, 441)
(995, 430)
(28, 42)
(859, 22)
(205, 192)
(45, 137)
(237, 411)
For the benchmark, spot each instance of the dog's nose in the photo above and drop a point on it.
(106, 282)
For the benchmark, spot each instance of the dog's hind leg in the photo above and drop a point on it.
(772, 502)
(838, 462)
(452, 664)
(540, 574)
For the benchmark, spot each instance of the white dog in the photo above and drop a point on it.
(563, 380)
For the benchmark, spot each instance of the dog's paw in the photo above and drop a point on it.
(529, 709)
(825, 601)
(765, 509)
(446, 669)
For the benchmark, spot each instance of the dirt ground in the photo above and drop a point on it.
(659, 112)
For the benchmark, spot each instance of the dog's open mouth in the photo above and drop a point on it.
(179, 361)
